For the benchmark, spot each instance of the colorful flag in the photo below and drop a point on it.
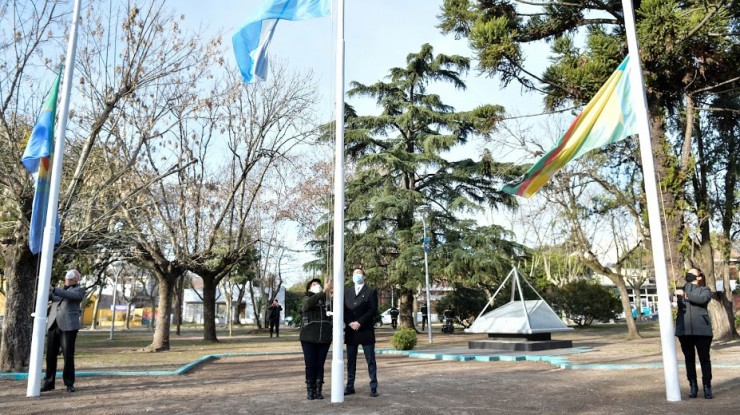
(37, 160)
(607, 118)
(250, 42)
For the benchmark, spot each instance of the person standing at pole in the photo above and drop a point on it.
(694, 330)
(274, 318)
(62, 326)
(360, 307)
(316, 335)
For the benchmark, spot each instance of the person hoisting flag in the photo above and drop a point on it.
(251, 41)
(607, 118)
(37, 160)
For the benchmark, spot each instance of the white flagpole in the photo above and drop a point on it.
(47, 247)
(337, 357)
(667, 339)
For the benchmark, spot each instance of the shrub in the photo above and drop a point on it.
(404, 339)
(737, 320)
(585, 301)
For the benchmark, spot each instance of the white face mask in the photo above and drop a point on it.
(315, 289)
(357, 278)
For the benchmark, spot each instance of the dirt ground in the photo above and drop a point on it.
(629, 381)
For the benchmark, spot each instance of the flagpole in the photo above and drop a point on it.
(337, 357)
(667, 339)
(47, 248)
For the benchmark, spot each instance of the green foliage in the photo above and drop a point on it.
(585, 301)
(737, 320)
(400, 165)
(294, 302)
(466, 302)
(404, 339)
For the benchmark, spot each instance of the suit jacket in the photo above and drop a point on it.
(361, 308)
(65, 308)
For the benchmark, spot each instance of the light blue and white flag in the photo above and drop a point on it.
(250, 42)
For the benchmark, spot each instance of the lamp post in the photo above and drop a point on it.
(423, 211)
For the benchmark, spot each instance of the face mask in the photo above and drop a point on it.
(357, 278)
(315, 289)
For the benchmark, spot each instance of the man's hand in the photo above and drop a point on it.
(354, 325)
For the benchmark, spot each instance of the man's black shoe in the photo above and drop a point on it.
(70, 388)
(349, 391)
(48, 386)
(373, 392)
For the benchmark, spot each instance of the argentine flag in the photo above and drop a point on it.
(250, 42)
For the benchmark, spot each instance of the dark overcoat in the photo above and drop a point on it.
(361, 308)
(316, 326)
(692, 318)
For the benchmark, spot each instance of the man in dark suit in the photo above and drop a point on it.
(274, 318)
(360, 307)
(62, 324)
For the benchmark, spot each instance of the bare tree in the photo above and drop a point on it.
(30, 29)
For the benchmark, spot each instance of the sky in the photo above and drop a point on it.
(379, 34)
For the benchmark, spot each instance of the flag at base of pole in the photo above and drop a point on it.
(251, 41)
(607, 118)
(37, 160)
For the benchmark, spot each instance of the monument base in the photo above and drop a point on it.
(520, 344)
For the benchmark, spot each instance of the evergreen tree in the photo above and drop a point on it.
(690, 54)
(400, 164)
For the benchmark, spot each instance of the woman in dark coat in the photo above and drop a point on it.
(694, 330)
(315, 336)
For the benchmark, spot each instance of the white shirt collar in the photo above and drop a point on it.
(358, 287)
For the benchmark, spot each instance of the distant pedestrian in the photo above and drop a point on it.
(62, 324)
(274, 317)
(694, 330)
(316, 335)
(449, 325)
(423, 317)
(394, 317)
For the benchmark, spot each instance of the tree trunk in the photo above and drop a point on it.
(720, 322)
(624, 297)
(128, 314)
(671, 195)
(406, 318)
(209, 310)
(96, 308)
(255, 307)
(161, 340)
(726, 298)
(20, 276)
(177, 310)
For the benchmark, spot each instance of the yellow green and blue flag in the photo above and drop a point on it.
(607, 118)
(37, 160)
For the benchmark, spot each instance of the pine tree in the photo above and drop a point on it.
(401, 164)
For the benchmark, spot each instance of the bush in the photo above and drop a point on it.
(404, 339)
(585, 301)
(467, 303)
(737, 320)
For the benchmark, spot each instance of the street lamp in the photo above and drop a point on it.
(424, 210)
